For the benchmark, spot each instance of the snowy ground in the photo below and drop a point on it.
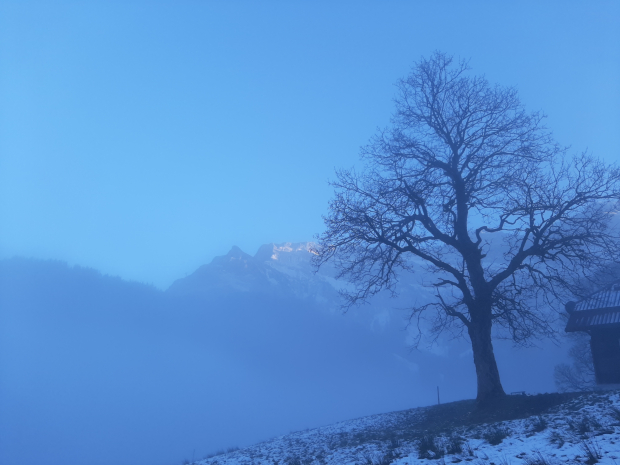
(583, 430)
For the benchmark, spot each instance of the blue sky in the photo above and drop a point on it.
(145, 138)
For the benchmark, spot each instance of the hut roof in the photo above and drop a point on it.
(604, 299)
(600, 310)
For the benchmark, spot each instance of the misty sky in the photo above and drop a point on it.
(144, 138)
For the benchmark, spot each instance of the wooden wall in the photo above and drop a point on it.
(605, 346)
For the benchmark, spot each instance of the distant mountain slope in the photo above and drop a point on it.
(43, 282)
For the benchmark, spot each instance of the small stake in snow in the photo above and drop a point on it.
(438, 396)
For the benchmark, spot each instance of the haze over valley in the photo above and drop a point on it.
(245, 348)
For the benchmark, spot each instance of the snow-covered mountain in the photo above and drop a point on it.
(286, 271)
(276, 269)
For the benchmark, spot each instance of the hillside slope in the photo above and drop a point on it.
(545, 429)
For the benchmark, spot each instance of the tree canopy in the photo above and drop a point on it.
(473, 186)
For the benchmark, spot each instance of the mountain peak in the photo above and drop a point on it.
(284, 268)
(286, 251)
(235, 253)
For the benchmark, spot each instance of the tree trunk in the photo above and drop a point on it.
(489, 384)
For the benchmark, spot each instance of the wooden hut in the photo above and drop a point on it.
(599, 316)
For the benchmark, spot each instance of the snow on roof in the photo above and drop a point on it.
(600, 310)
(604, 299)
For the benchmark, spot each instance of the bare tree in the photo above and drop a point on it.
(579, 375)
(462, 173)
